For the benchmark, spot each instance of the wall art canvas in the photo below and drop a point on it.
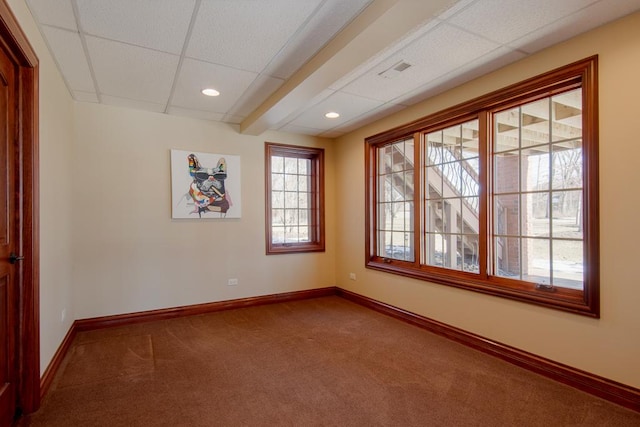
(205, 185)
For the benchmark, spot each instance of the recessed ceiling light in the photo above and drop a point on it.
(210, 92)
(332, 115)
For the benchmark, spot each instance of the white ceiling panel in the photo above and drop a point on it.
(132, 103)
(258, 91)
(349, 106)
(155, 24)
(132, 72)
(504, 21)
(438, 52)
(246, 34)
(322, 26)
(58, 13)
(197, 75)
(563, 29)
(70, 57)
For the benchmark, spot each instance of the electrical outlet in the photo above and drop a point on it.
(352, 276)
(232, 282)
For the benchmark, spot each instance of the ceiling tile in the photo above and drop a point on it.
(69, 55)
(196, 114)
(577, 23)
(435, 54)
(246, 34)
(58, 13)
(197, 75)
(132, 72)
(349, 106)
(331, 18)
(504, 21)
(256, 94)
(131, 103)
(155, 24)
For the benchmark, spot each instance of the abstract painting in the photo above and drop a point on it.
(205, 185)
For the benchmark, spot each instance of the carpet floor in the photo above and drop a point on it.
(317, 362)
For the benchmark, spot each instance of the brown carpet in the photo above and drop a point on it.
(324, 361)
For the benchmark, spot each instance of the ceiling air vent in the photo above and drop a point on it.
(394, 70)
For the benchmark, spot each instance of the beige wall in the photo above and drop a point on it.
(56, 137)
(129, 255)
(609, 346)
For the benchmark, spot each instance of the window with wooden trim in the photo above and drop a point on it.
(294, 198)
(497, 195)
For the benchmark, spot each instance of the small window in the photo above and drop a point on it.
(497, 195)
(294, 199)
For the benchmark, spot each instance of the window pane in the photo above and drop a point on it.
(290, 165)
(291, 200)
(506, 211)
(535, 214)
(291, 216)
(567, 214)
(470, 140)
(536, 265)
(433, 250)
(567, 165)
(303, 216)
(304, 166)
(277, 164)
(507, 170)
(507, 130)
(277, 182)
(535, 168)
(277, 217)
(450, 255)
(568, 264)
(567, 115)
(470, 219)
(291, 183)
(304, 200)
(470, 258)
(277, 199)
(303, 183)
(434, 148)
(277, 234)
(433, 178)
(535, 123)
(507, 257)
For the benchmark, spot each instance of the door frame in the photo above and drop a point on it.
(28, 346)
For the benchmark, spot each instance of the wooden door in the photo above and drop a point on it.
(9, 239)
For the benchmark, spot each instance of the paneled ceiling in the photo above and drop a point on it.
(283, 64)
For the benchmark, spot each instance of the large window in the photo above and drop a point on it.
(295, 198)
(497, 195)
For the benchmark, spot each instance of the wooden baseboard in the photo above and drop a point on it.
(612, 391)
(56, 361)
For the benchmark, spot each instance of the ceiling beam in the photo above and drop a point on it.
(381, 24)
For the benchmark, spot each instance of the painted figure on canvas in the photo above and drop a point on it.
(207, 188)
